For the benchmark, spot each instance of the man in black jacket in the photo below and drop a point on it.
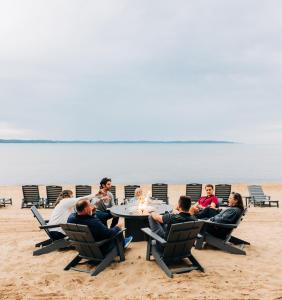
(160, 224)
(85, 215)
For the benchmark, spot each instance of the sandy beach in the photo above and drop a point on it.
(258, 275)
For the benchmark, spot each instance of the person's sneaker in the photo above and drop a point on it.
(127, 241)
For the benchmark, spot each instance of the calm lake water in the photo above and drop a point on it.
(139, 163)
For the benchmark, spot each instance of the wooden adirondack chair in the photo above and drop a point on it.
(177, 247)
(81, 237)
(227, 242)
(50, 244)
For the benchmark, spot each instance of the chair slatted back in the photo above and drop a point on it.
(129, 191)
(31, 193)
(53, 192)
(181, 238)
(194, 191)
(40, 219)
(113, 191)
(82, 190)
(159, 191)
(257, 193)
(223, 191)
(82, 238)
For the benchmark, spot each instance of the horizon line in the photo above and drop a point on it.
(47, 141)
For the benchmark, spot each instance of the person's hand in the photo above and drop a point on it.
(105, 198)
(175, 211)
(93, 208)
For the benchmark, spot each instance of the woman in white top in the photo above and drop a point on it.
(63, 208)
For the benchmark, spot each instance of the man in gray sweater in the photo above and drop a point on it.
(104, 200)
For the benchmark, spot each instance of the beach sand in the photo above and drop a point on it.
(258, 275)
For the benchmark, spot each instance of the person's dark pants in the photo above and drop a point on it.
(56, 235)
(216, 231)
(104, 216)
(206, 213)
(157, 228)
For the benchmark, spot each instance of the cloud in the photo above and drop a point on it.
(141, 69)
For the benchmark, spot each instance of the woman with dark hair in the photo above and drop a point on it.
(229, 215)
(63, 208)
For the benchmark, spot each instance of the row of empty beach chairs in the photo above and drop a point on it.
(31, 195)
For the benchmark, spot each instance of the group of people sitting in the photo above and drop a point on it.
(93, 211)
(207, 207)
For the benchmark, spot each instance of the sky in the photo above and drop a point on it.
(131, 70)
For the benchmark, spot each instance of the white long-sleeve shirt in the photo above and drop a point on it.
(62, 211)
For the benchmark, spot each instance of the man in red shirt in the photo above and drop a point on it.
(209, 200)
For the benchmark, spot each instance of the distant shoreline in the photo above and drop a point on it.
(18, 141)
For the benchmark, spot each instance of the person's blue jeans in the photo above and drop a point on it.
(104, 216)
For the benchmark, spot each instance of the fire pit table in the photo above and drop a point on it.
(136, 216)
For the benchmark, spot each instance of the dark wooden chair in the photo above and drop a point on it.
(82, 190)
(50, 244)
(223, 239)
(81, 237)
(52, 192)
(129, 191)
(258, 198)
(113, 191)
(194, 191)
(159, 191)
(222, 192)
(176, 249)
(31, 196)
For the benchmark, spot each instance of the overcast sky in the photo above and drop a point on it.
(141, 70)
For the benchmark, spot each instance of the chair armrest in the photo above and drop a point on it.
(269, 197)
(154, 236)
(220, 224)
(49, 226)
(100, 243)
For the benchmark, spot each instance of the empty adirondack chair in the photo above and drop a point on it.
(222, 192)
(31, 196)
(257, 197)
(176, 248)
(194, 191)
(226, 241)
(159, 191)
(50, 244)
(52, 192)
(82, 190)
(4, 201)
(81, 237)
(113, 191)
(129, 191)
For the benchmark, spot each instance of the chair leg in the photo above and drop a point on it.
(196, 263)
(162, 264)
(104, 263)
(220, 244)
(73, 263)
(44, 243)
(55, 245)
(149, 249)
(237, 241)
(119, 244)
